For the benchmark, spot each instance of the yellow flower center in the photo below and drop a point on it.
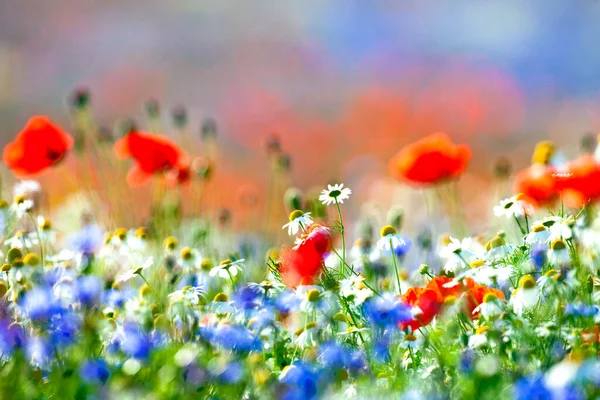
(558, 244)
(450, 301)
(206, 264)
(31, 259)
(527, 282)
(186, 253)
(495, 242)
(141, 232)
(410, 337)
(313, 295)
(221, 297)
(477, 263)
(171, 243)
(387, 230)
(19, 199)
(296, 214)
(538, 228)
(481, 329)
(13, 253)
(225, 262)
(121, 233)
(489, 297)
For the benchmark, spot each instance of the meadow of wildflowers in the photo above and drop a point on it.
(180, 306)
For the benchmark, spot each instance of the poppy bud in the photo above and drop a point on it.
(285, 162)
(152, 108)
(273, 144)
(588, 143)
(293, 198)
(395, 217)
(502, 168)
(589, 284)
(180, 117)
(80, 98)
(209, 129)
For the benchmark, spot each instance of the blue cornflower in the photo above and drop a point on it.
(231, 337)
(135, 343)
(581, 310)
(94, 371)
(386, 311)
(38, 351)
(39, 304)
(88, 239)
(247, 298)
(301, 380)
(381, 349)
(538, 255)
(232, 373)
(89, 290)
(531, 388)
(287, 301)
(63, 327)
(403, 248)
(332, 355)
(12, 336)
(117, 298)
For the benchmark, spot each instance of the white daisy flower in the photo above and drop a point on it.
(335, 193)
(560, 228)
(227, 269)
(526, 296)
(412, 341)
(488, 275)
(307, 336)
(188, 296)
(314, 298)
(539, 234)
(497, 248)
(354, 287)
(21, 207)
(26, 188)
(22, 240)
(190, 259)
(459, 254)
(298, 220)
(479, 338)
(135, 271)
(389, 240)
(490, 307)
(558, 254)
(221, 304)
(513, 207)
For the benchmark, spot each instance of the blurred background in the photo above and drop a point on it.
(344, 84)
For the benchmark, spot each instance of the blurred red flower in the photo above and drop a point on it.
(429, 302)
(430, 160)
(40, 145)
(153, 154)
(581, 183)
(303, 264)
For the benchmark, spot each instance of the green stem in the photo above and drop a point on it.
(337, 204)
(395, 266)
(39, 236)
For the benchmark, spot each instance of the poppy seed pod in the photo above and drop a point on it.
(273, 144)
(502, 168)
(395, 217)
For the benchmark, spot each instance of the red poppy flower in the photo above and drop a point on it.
(153, 154)
(429, 302)
(582, 181)
(538, 182)
(475, 296)
(40, 145)
(430, 160)
(304, 263)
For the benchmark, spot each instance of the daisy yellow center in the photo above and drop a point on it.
(221, 297)
(313, 295)
(477, 263)
(527, 282)
(446, 240)
(520, 196)
(141, 233)
(225, 262)
(145, 290)
(550, 273)
(46, 225)
(171, 243)
(558, 244)
(543, 152)
(495, 242)
(19, 199)
(340, 317)
(538, 228)
(185, 288)
(296, 214)
(186, 253)
(13, 253)
(5, 268)
(3, 203)
(311, 325)
(481, 329)
(387, 230)
(206, 264)
(18, 262)
(410, 337)
(121, 233)
(31, 259)
(489, 297)
(335, 193)
(450, 300)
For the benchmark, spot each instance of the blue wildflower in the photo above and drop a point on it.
(538, 255)
(117, 298)
(332, 355)
(63, 327)
(39, 304)
(581, 310)
(231, 337)
(89, 290)
(232, 373)
(247, 298)
(94, 371)
(12, 336)
(386, 311)
(88, 239)
(135, 343)
(301, 381)
(287, 301)
(38, 351)
(531, 388)
(403, 248)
